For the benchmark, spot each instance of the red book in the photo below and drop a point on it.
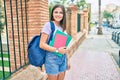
(60, 41)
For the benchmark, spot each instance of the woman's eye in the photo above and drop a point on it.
(58, 12)
(61, 12)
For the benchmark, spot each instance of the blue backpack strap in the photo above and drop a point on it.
(53, 29)
(52, 26)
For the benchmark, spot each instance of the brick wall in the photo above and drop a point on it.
(68, 21)
(37, 15)
(86, 20)
(78, 37)
(73, 19)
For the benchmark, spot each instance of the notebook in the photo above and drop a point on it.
(60, 41)
(58, 33)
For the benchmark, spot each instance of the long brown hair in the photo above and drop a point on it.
(63, 21)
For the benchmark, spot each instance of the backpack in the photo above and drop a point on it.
(36, 55)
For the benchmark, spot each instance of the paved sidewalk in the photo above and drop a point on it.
(31, 73)
(93, 59)
(89, 65)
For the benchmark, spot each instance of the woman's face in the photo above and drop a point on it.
(58, 14)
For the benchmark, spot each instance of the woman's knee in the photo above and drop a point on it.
(61, 76)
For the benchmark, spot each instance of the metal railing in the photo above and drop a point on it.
(17, 23)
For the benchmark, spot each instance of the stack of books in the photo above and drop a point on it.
(60, 39)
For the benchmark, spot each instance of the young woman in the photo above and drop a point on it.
(55, 65)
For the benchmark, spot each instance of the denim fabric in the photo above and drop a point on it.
(55, 64)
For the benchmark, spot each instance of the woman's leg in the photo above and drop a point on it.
(52, 77)
(61, 76)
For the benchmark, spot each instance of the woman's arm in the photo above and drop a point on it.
(68, 59)
(43, 43)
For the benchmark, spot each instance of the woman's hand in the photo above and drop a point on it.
(62, 50)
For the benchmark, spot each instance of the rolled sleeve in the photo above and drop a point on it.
(46, 28)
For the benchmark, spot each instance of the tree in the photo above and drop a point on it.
(81, 3)
(99, 32)
(107, 15)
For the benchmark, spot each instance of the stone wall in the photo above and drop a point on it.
(77, 37)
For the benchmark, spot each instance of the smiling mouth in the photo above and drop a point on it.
(58, 17)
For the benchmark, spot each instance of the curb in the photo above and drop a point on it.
(116, 65)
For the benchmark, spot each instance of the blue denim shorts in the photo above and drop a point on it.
(55, 64)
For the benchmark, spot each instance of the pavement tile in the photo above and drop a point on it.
(90, 65)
